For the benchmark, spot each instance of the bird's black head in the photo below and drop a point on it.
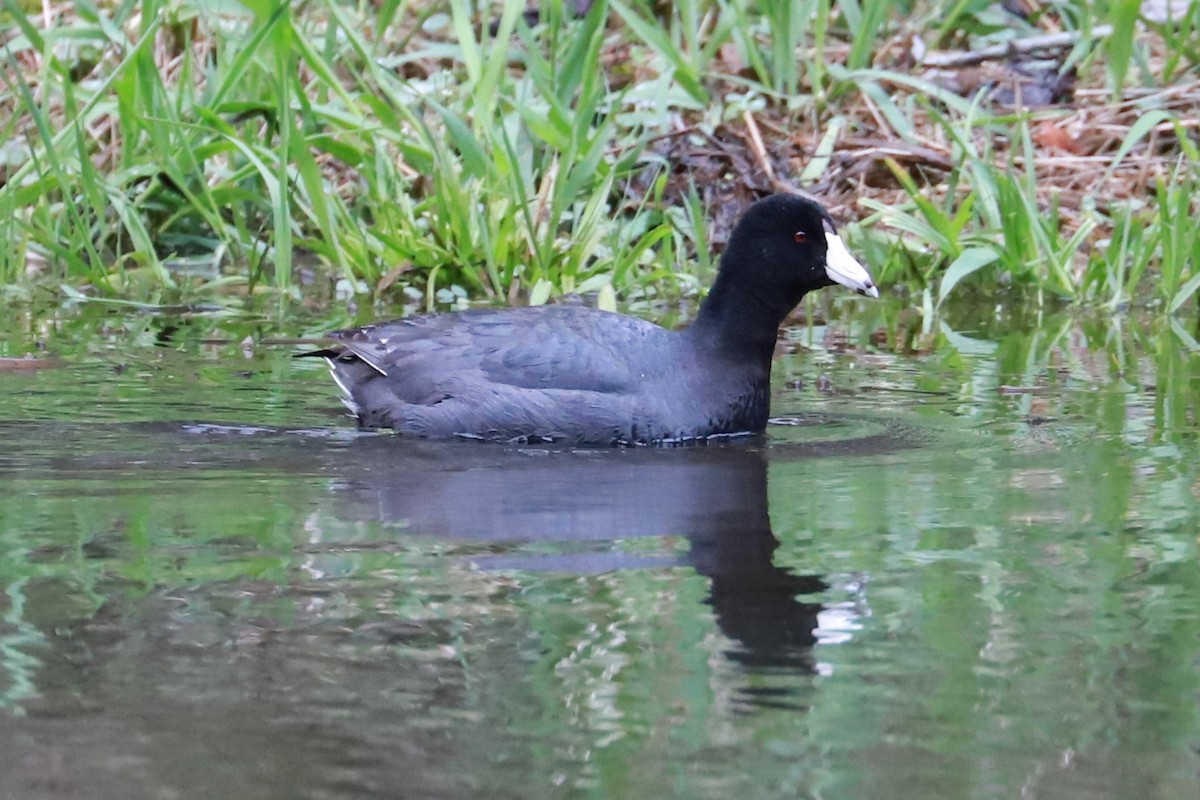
(788, 244)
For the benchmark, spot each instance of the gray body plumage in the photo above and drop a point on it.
(544, 374)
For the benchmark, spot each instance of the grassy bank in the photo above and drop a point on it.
(425, 153)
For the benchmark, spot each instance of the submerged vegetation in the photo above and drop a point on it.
(433, 152)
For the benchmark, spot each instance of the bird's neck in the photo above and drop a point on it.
(741, 322)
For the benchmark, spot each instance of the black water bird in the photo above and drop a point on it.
(579, 376)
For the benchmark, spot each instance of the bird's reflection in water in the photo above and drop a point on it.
(716, 497)
(577, 503)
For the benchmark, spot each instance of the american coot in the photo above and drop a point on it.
(575, 375)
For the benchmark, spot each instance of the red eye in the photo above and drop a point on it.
(801, 237)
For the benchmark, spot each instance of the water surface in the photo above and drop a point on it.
(963, 564)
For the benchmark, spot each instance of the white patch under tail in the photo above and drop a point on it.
(346, 398)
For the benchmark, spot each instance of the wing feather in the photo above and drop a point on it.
(426, 359)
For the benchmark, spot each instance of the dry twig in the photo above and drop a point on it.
(1032, 44)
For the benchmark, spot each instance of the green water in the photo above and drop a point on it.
(964, 565)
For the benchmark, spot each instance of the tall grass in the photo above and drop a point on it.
(432, 152)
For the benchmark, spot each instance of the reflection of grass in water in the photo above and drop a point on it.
(997, 592)
(403, 151)
(19, 667)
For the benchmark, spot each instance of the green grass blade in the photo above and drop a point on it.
(968, 262)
